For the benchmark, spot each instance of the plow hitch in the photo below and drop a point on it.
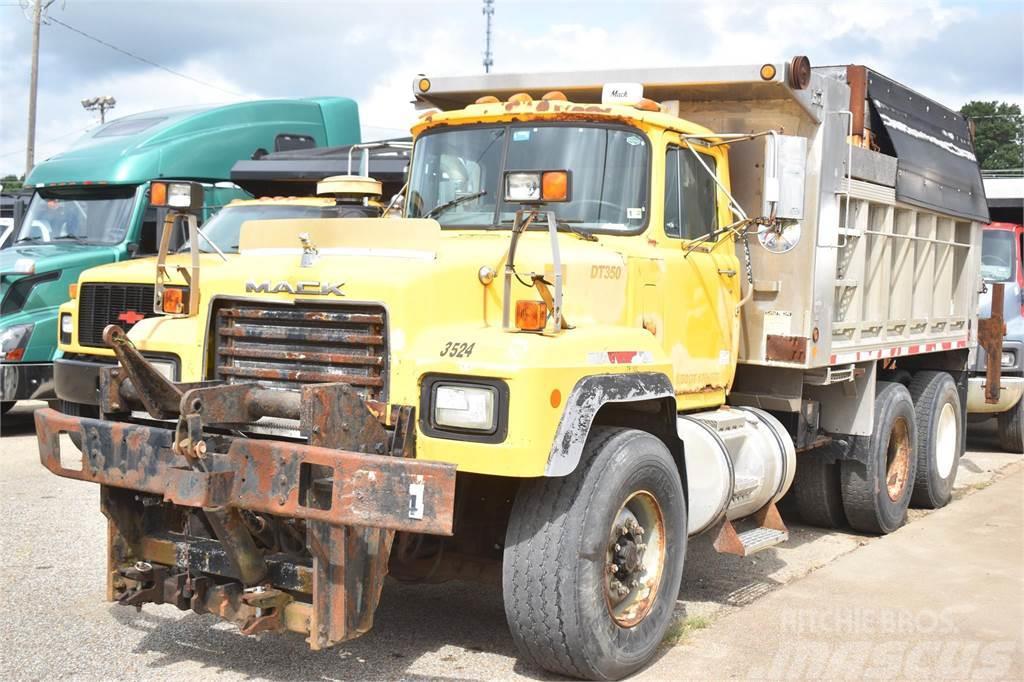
(293, 533)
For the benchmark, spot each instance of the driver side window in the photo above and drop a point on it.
(690, 194)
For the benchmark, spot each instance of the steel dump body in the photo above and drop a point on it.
(873, 224)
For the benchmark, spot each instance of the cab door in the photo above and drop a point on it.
(700, 289)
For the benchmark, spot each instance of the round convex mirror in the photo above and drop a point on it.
(780, 239)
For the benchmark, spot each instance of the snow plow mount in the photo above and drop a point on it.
(194, 503)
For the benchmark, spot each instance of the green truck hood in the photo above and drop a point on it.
(40, 307)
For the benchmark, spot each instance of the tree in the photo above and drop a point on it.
(12, 182)
(998, 135)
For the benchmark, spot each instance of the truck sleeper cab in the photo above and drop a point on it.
(604, 324)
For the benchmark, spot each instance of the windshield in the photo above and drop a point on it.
(997, 255)
(93, 216)
(608, 168)
(225, 227)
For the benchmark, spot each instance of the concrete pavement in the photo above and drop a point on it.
(938, 599)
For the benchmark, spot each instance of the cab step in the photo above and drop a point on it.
(769, 531)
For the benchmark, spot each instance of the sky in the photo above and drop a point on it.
(952, 51)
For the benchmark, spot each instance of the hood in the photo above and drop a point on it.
(56, 256)
(411, 266)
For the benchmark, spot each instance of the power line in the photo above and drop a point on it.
(50, 141)
(143, 59)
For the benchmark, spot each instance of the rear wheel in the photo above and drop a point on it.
(593, 561)
(939, 438)
(817, 491)
(1011, 428)
(878, 480)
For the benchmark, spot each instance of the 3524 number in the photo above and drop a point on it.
(456, 349)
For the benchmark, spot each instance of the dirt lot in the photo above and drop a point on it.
(58, 625)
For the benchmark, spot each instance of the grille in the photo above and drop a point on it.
(102, 304)
(286, 346)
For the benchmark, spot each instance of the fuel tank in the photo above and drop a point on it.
(738, 459)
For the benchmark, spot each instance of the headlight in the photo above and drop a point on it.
(165, 367)
(13, 341)
(65, 328)
(1007, 359)
(466, 407)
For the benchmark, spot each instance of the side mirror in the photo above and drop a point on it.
(132, 248)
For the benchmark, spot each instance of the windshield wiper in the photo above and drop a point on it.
(567, 227)
(19, 240)
(73, 237)
(441, 208)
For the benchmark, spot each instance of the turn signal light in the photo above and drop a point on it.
(73, 291)
(520, 98)
(531, 315)
(158, 194)
(173, 301)
(555, 186)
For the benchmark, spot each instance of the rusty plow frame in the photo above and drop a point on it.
(341, 492)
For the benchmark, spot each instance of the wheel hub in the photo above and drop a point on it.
(635, 559)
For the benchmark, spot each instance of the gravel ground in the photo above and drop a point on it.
(57, 624)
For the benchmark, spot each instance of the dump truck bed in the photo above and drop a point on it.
(887, 262)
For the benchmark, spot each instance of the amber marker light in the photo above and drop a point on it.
(73, 291)
(767, 72)
(158, 194)
(531, 315)
(555, 186)
(173, 301)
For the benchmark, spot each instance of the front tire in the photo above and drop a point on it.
(593, 560)
(878, 481)
(1011, 428)
(939, 438)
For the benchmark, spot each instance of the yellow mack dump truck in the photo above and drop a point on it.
(617, 307)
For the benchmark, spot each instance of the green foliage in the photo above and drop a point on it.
(999, 134)
(12, 182)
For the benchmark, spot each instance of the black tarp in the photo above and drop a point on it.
(936, 166)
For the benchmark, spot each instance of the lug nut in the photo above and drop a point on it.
(633, 584)
(612, 568)
(618, 548)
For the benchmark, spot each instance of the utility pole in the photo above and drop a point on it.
(30, 147)
(488, 57)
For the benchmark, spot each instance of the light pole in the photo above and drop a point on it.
(101, 103)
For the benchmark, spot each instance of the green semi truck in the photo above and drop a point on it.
(91, 206)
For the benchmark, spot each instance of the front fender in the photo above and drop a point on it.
(589, 395)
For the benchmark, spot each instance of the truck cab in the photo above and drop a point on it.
(1001, 263)
(91, 206)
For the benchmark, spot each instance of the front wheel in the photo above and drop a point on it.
(593, 561)
(1011, 428)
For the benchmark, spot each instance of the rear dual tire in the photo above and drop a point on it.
(939, 438)
(878, 480)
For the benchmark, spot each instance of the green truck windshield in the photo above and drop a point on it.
(97, 216)
(608, 167)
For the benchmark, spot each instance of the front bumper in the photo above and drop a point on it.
(1011, 389)
(256, 475)
(349, 502)
(26, 381)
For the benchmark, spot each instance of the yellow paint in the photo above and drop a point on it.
(622, 293)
